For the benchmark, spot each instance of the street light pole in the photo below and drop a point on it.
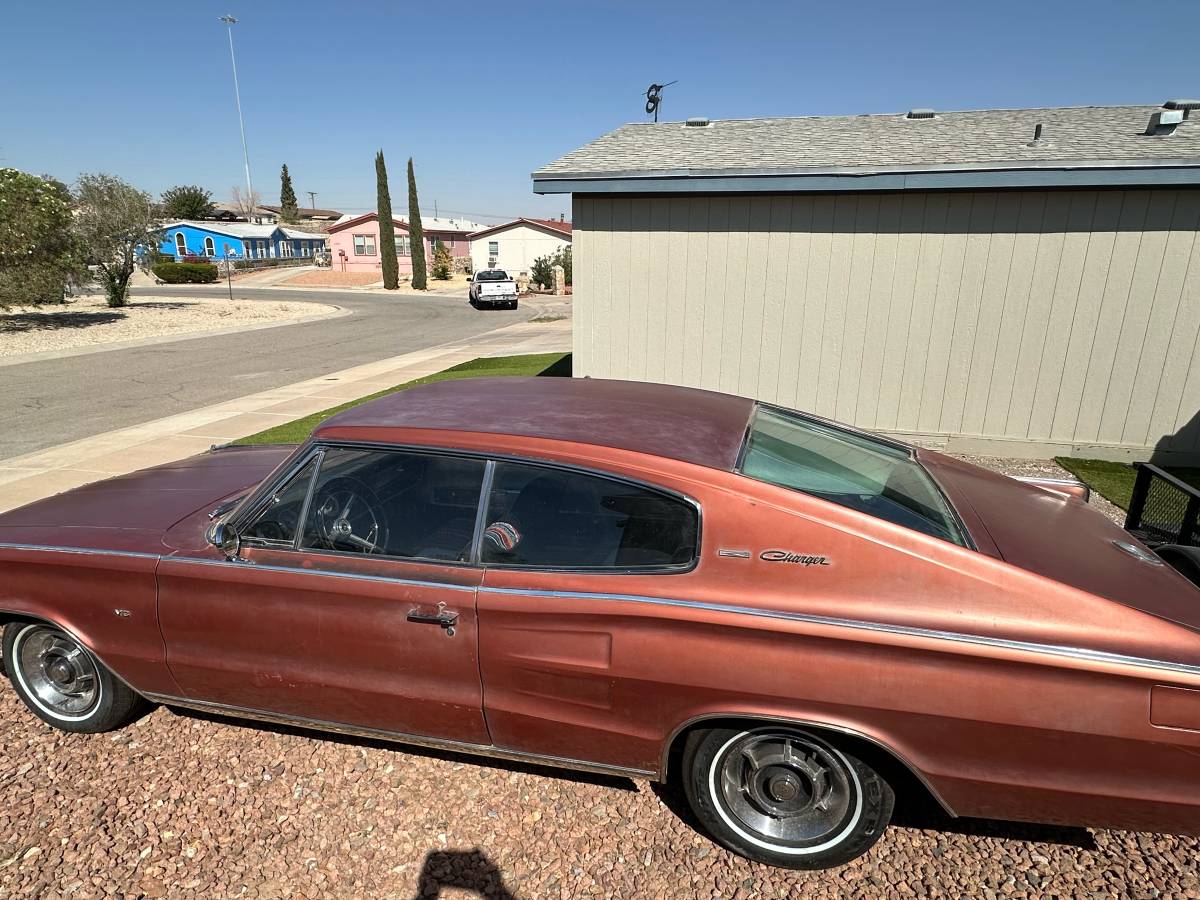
(230, 21)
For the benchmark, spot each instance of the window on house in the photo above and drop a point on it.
(403, 245)
(493, 248)
(180, 244)
(552, 518)
(364, 245)
(262, 249)
(246, 249)
(210, 248)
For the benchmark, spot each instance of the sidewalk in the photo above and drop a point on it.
(24, 479)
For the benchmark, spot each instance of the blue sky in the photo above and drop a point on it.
(482, 96)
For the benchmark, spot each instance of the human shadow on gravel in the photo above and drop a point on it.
(469, 870)
(616, 782)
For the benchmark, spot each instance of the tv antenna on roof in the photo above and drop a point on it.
(654, 97)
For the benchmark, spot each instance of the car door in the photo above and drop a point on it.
(351, 601)
(569, 665)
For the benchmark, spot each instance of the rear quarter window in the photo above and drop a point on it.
(550, 518)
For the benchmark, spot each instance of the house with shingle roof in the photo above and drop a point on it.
(515, 246)
(1018, 282)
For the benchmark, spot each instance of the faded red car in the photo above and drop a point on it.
(793, 619)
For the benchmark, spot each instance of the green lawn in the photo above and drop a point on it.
(1114, 480)
(532, 364)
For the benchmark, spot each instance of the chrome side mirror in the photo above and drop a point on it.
(225, 538)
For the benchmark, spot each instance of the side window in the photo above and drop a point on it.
(394, 503)
(558, 519)
(275, 525)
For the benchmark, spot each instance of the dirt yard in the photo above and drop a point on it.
(329, 278)
(88, 321)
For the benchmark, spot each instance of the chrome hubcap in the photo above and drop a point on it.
(61, 675)
(785, 789)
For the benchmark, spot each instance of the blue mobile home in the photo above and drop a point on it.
(238, 240)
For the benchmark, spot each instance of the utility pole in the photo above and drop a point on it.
(230, 21)
(312, 198)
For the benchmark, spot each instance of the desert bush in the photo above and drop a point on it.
(186, 273)
(443, 262)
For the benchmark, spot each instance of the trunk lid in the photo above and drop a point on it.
(1061, 538)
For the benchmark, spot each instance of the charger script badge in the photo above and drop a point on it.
(787, 556)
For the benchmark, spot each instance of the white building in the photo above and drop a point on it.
(515, 245)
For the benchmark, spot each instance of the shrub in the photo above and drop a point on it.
(443, 262)
(186, 273)
(38, 255)
(541, 272)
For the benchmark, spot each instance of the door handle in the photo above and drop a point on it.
(447, 618)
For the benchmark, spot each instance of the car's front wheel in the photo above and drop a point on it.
(783, 796)
(63, 683)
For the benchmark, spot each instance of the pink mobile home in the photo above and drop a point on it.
(354, 243)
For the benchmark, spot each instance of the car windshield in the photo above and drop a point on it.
(492, 275)
(847, 468)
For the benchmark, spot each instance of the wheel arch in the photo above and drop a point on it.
(11, 616)
(893, 765)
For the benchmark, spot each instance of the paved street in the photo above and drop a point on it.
(54, 401)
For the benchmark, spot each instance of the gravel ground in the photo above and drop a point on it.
(187, 806)
(88, 321)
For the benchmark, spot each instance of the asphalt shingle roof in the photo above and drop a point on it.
(993, 138)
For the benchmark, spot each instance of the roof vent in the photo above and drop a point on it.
(1037, 141)
(1186, 106)
(919, 114)
(1164, 122)
(698, 122)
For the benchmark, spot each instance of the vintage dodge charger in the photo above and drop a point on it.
(791, 619)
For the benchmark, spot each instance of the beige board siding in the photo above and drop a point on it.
(1028, 322)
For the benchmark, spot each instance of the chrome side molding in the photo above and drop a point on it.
(416, 740)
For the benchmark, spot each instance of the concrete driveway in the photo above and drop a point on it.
(50, 402)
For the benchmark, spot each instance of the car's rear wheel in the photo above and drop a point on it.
(63, 683)
(783, 796)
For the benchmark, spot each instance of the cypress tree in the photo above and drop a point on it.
(289, 210)
(387, 228)
(415, 232)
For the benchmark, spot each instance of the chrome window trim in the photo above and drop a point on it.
(319, 449)
(1080, 653)
(488, 750)
(254, 500)
(302, 522)
(481, 508)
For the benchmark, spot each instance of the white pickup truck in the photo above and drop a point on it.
(493, 287)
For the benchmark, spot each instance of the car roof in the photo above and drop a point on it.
(694, 426)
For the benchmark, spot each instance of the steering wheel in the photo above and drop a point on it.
(348, 515)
